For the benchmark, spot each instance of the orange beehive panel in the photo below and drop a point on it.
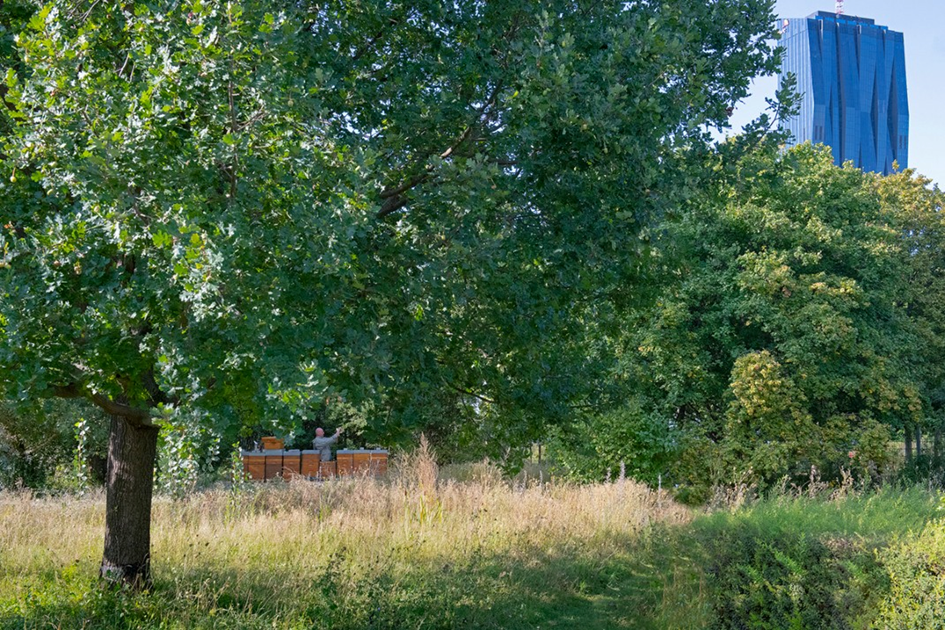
(310, 461)
(327, 469)
(379, 462)
(345, 463)
(272, 444)
(255, 466)
(291, 464)
(362, 461)
(273, 464)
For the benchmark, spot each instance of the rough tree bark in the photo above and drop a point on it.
(918, 441)
(131, 451)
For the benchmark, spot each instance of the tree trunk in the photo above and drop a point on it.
(908, 439)
(918, 441)
(129, 482)
(937, 445)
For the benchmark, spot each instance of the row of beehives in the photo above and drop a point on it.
(280, 464)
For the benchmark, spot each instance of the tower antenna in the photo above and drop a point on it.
(839, 7)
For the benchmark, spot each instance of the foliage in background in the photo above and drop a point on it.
(787, 332)
(38, 445)
(75, 477)
(244, 207)
(628, 439)
(14, 16)
(187, 448)
(918, 205)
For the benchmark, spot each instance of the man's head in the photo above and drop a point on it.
(319, 432)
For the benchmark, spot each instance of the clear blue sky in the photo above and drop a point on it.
(922, 23)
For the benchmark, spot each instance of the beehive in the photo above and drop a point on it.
(254, 465)
(272, 444)
(345, 463)
(327, 470)
(309, 466)
(379, 462)
(273, 464)
(291, 464)
(362, 462)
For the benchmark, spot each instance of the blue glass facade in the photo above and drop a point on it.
(851, 74)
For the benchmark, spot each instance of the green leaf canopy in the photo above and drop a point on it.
(241, 206)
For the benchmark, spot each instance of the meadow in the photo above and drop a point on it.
(470, 549)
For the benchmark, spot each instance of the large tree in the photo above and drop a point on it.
(231, 208)
(798, 324)
(917, 206)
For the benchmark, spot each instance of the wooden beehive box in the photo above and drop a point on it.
(309, 465)
(379, 462)
(327, 470)
(291, 464)
(254, 465)
(362, 462)
(273, 464)
(345, 463)
(272, 444)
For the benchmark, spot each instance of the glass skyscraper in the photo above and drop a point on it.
(851, 75)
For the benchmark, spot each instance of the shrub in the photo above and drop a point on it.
(37, 442)
(785, 581)
(916, 568)
(795, 562)
(630, 439)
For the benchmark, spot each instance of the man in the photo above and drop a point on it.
(323, 444)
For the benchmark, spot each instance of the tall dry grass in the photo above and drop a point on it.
(348, 548)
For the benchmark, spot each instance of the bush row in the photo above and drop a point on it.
(863, 562)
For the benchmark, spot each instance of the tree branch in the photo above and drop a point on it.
(67, 391)
(391, 205)
(370, 44)
(135, 415)
(393, 197)
(155, 394)
(410, 183)
(469, 393)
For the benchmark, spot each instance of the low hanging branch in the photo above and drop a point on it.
(135, 415)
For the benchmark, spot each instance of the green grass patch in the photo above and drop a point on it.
(481, 555)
